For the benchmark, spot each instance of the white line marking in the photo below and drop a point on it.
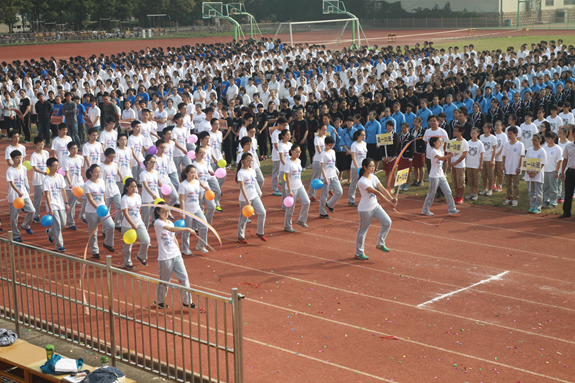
(494, 278)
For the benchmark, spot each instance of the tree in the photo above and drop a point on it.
(9, 13)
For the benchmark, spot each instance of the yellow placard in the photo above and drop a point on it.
(454, 146)
(531, 164)
(384, 139)
(401, 177)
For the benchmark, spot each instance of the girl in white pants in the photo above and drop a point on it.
(246, 179)
(94, 190)
(283, 151)
(358, 154)
(189, 191)
(370, 190)
(437, 177)
(319, 143)
(205, 173)
(150, 188)
(295, 189)
(132, 219)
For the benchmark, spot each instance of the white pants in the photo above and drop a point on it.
(434, 183)
(168, 267)
(352, 185)
(315, 174)
(304, 200)
(191, 223)
(275, 175)
(108, 229)
(143, 238)
(14, 213)
(365, 218)
(259, 210)
(38, 193)
(58, 223)
(332, 183)
(118, 217)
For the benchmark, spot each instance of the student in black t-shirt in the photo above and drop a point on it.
(228, 137)
(263, 132)
(299, 129)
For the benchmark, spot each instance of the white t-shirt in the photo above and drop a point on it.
(97, 192)
(368, 200)
(93, 113)
(542, 155)
(328, 159)
(191, 192)
(203, 172)
(474, 154)
(152, 179)
(518, 131)
(294, 170)
(55, 186)
(554, 154)
(10, 149)
(74, 167)
(169, 153)
(488, 144)
(318, 141)
(284, 148)
(436, 164)
(555, 123)
(527, 133)
(464, 148)
(18, 176)
(440, 132)
(93, 151)
(567, 118)
(249, 179)
(131, 203)
(108, 175)
(216, 144)
(275, 140)
(360, 151)
(109, 139)
(39, 161)
(162, 167)
(512, 154)
(179, 136)
(538, 123)
(162, 114)
(123, 159)
(137, 144)
(60, 147)
(167, 248)
(501, 141)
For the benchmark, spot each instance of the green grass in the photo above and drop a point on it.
(502, 43)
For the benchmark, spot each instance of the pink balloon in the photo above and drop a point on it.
(192, 139)
(288, 201)
(192, 155)
(61, 172)
(220, 173)
(166, 189)
(142, 166)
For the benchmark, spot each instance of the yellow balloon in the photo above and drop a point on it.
(285, 177)
(48, 170)
(158, 200)
(130, 236)
(27, 165)
(222, 163)
(125, 178)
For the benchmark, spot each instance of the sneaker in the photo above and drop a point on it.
(129, 267)
(362, 257)
(119, 229)
(277, 194)
(488, 193)
(499, 189)
(458, 201)
(219, 208)
(302, 224)
(560, 200)
(18, 239)
(161, 305)
(414, 183)
(242, 240)
(453, 212)
(143, 262)
(547, 207)
(29, 231)
(351, 204)
(248, 221)
(494, 188)
(469, 196)
(514, 202)
(474, 197)
(530, 210)
(507, 201)
(324, 216)
(36, 220)
(61, 249)
(109, 248)
(261, 236)
(420, 183)
(405, 187)
(565, 215)
(313, 199)
(283, 209)
(189, 305)
(427, 213)
(331, 209)
(289, 229)
(482, 192)
(383, 248)
(536, 211)
(202, 249)
(51, 239)
(83, 220)
(96, 256)
(187, 252)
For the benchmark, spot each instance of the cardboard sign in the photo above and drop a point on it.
(384, 139)
(531, 164)
(454, 146)
(223, 124)
(56, 120)
(126, 123)
(401, 177)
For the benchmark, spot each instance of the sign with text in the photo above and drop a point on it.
(384, 139)
(401, 177)
(531, 164)
(453, 146)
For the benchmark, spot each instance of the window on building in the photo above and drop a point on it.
(550, 3)
(568, 2)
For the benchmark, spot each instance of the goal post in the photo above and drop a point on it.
(331, 33)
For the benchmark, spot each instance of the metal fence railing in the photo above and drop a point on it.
(112, 312)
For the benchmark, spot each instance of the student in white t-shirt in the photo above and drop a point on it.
(368, 208)
(124, 160)
(93, 115)
(528, 130)
(246, 179)
(474, 163)
(329, 178)
(132, 220)
(109, 137)
(501, 141)
(169, 256)
(205, 173)
(513, 153)
(437, 177)
(54, 187)
(562, 142)
(14, 145)
(60, 144)
(38, 163)
(551, 172)
(110, 173)
(72, 168)
(358, 154)
(554, 120)
(457, 165)
(540, 117)
(295, 189)
(95, 191)
(282, 124)
(566, 115)
(319, 144)
(136, 144)
(16, 177)
(490, 145)
(150, 187)
(283, 151)
(189, 192)
(535, 178)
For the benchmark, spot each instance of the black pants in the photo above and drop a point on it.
(569, 189)
(303, 157)
(263, 142)
(44, 130)
(310, 149)
(11, 124)
(24, 127)
(228, 152)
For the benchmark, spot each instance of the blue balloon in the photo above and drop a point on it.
(317, 184)
(47, 220)
(180, 223)
(102, 211)
(358, 170)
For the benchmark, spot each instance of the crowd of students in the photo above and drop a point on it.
(134, 127)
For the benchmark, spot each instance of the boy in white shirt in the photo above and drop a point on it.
(109, 173)
(57, 205)
(135, 142)
(109, 137)
(551, 171)
(329, 178)
(60, 144)
(163, 169)
(490, 145)
(457, 165)
(14, 145)
(566, 115)
(92, 150)
(501, 141)
(124, 160)
(38, 162)
(170, 148)
(513, 153)
(93, 115)
(474, 162)
(554, 120)
(528, 130)
(73, 168)
(16, 178)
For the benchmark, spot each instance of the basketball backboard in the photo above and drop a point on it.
(236, 8)
(333, 6)
(212, 10)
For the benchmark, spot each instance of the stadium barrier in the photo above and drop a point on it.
(112, 313)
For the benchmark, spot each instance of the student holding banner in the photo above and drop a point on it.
(535, 160)
(437, 177)
(459, 148)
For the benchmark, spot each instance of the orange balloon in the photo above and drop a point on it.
(18, 203)
(210, 195)
(78, 191)
(248, 211)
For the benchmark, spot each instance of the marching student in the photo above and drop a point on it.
(534, 178)
(150, 188)
(329, 178)
(136, 144)
(132, 219)
(490, 145)
(54, 187)
(110, 173)
(282, 125)
(163, 169)
(551, 172)
(283, 150)
(562, 142)
(295, 189)
(246, 179)
(170, 148)
(389, 153)
(370, 190)
(204, 141)
(16, 178)
(60, 144)
(437, 177)
(109, 137)
(358, 154)
(179, 136)
(72, 168)
(189, 195)
(247, 147)
(513, 153)
(95, 191)
(474, 162)
(251, 130)
(319, 144)
(124, 160)
(38, 162)
(204, 175)
(406, 160)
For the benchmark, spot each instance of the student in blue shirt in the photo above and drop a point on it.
(423, 112)
(409, 115)
(467, 100)
(386, 117)
(486, 102)
(435, 109)
(372, 129)
(448, 109)
(398, 116)
(344, 142)
(142, 93)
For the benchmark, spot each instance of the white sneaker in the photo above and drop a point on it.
(202, 249)
(474, 197)
(514, 202)
(488, 193)
(453, 212)
(507, 201)
(429, 214)
(187, 252)
(483, 192)
(469, 196)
